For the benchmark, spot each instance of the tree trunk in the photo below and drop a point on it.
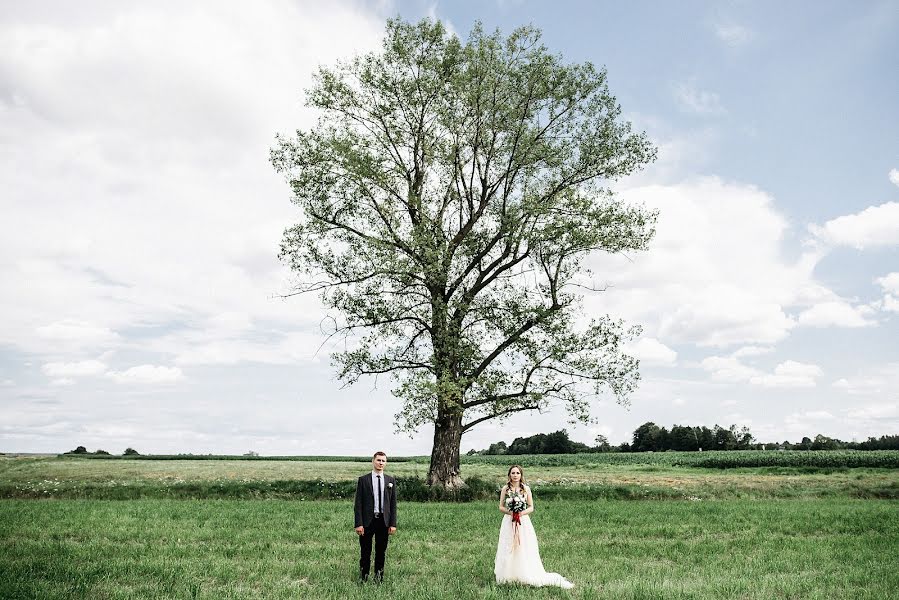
(445, 470)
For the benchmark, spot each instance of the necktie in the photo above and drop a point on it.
(379, 492)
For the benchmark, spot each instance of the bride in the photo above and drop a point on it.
(517, 554)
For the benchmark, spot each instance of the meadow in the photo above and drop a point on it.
(667, 532)
(579, 476)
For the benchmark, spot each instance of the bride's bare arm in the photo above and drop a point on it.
(502, 501)
(530, 507)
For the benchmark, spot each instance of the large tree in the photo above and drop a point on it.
(450, 192)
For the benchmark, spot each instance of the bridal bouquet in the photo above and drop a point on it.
(516, 502)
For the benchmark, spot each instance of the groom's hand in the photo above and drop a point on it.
(360, 530)
(391, 531)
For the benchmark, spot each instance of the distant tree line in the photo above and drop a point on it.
(557, 442)
(649, 437)
(822, 442)
(83, 450)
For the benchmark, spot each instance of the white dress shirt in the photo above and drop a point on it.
(379, 504)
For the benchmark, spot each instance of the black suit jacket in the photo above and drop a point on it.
(365, 502)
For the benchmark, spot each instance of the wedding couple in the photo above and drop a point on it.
(517, 553)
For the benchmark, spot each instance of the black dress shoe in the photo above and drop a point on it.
(379, 576)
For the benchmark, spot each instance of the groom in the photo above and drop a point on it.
(375, 515)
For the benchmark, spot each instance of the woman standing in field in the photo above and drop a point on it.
(517, 554)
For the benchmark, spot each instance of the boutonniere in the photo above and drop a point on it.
(389, 485)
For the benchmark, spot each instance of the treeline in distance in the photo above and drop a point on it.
(649, 437)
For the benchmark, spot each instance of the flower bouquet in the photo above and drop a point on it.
(516, 502)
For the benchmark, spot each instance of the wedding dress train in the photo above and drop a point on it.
(518, 561)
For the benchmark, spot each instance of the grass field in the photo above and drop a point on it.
(51, 476)
(637, 530)
(759, 549)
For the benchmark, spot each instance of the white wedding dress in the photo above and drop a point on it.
(520, 562)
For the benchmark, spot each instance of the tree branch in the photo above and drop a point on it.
(507, 411)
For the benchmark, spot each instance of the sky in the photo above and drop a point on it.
(141, 300)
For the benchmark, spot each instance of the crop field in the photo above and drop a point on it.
(713, 460)
(646, 529)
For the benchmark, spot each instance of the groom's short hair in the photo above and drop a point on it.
(377, 454)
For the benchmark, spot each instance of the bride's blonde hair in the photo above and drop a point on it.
(509, 476)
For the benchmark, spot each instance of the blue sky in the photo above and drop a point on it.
(139, 265)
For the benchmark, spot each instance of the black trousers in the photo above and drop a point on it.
(378, 530)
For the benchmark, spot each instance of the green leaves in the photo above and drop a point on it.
(450, 192)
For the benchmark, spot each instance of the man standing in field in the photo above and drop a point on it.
(375, 509)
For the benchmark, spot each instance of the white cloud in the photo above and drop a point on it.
(728, 369)
(434, 15)
(787, 374)
(737, 418)
(856, 386)
(871, 420)
(678, 402)
(65, 381)
(819, 415)
(78, 332)
(894, 176)
(129, 241)
(837, 314)
(679, 151)
(289, 348)
(872, 381)
(83, 368)
(890, 303)
(752, 351)
(889, 283)
(716, 273)
(733, 34)
(147, 374)
(872, 227)
(875, 412)
(802, 423)
(652, 352)
(700, 102)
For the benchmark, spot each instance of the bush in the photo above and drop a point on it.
(131, 452)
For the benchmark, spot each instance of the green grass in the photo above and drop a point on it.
(740, 549)
(79, 478)
(308, 458)
(713, 459)
(106, 529)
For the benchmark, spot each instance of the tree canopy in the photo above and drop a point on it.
(450, 193)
